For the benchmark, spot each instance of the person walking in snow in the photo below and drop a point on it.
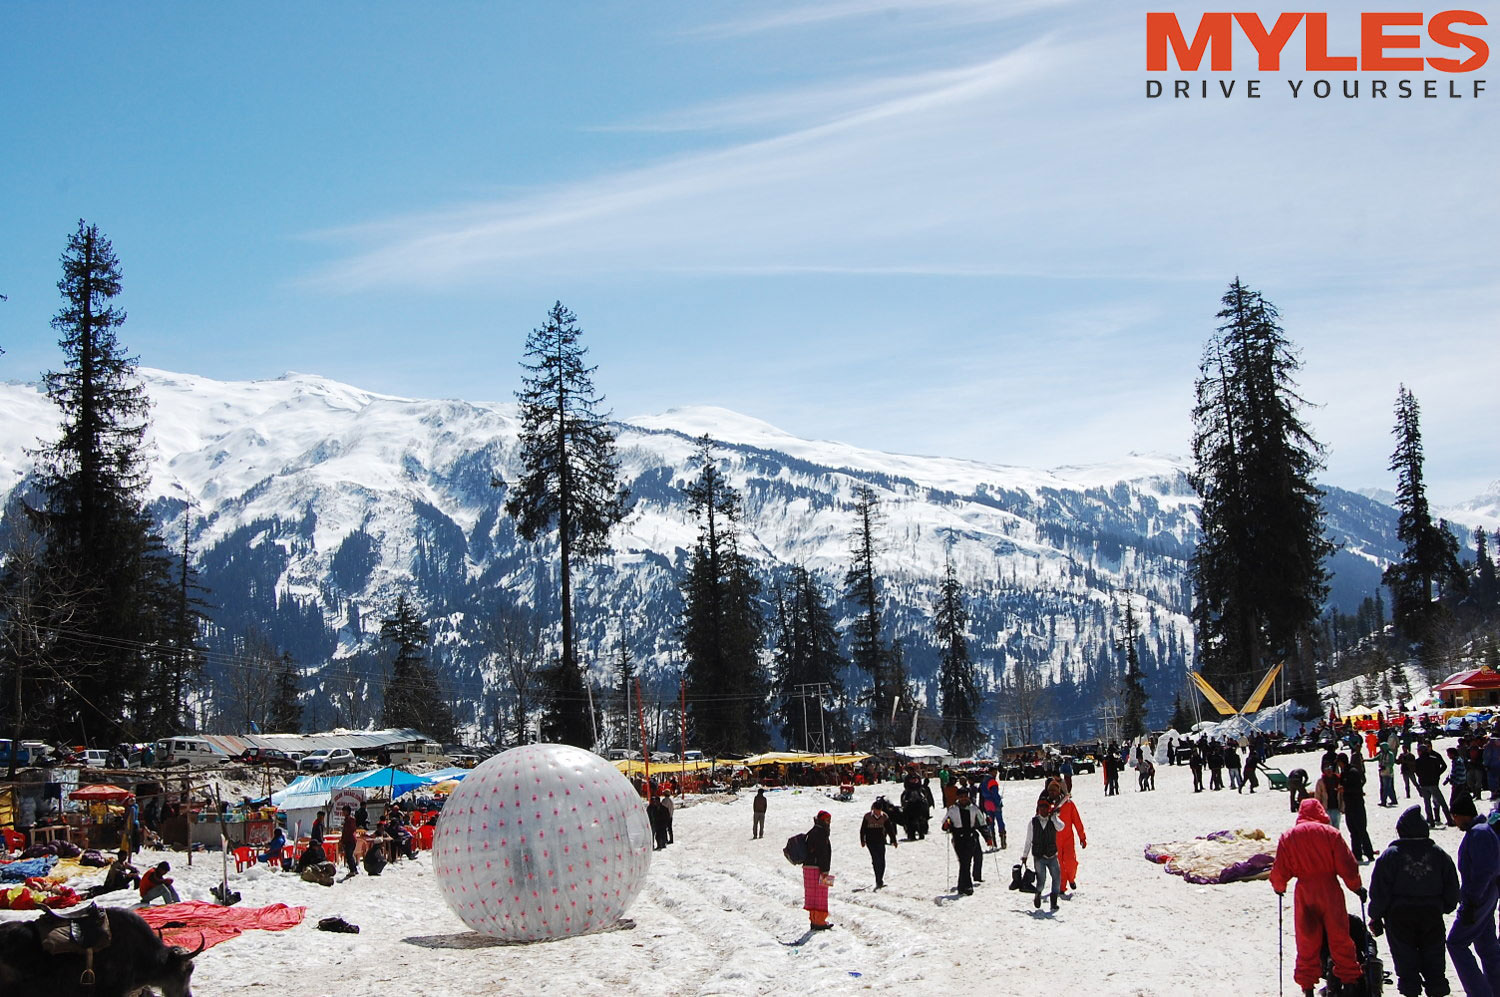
(874, 829)
(1315, 854)
(1329, 793)
(348, 839)
(758, 814)
(1352, 784)
(1068, 844)
(667, 809)
(1385, 761)
(656, 815)
(1041, 845)
(1414, 883)
(1429, 769)
(1407, 763)
(1195, 765)
(1232, 765)
(915, 808)
(816, 878)
(1473, 931)
(962, 822)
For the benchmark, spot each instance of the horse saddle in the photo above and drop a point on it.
(83, 930)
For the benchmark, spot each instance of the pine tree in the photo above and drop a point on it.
(1429, 555)
(867, 649)
(570, 483)
(1258, 569)
(722, 628)
(412, 698)
(179, 662)
(1484, 586)
(1181, 721)
(97, 530)
(286, 708)
(959, 690)
(1133, 723)
(807, 655)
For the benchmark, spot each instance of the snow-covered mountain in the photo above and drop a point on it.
(311, 504)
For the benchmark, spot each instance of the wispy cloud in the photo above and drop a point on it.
(789, 16)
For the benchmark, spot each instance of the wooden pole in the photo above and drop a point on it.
(640, 712)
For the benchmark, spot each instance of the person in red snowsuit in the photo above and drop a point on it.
(1067, 851)
(1315, 854)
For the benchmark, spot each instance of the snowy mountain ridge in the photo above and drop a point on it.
(312, 503)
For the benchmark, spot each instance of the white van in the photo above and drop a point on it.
(414, 752)
(188, 751)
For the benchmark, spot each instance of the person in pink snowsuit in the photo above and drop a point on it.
(1314, 853)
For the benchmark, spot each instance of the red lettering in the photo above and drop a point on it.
(1214, 34)
(1440, 30)
(1318, 59)
(1268, 44)
(1373, 41)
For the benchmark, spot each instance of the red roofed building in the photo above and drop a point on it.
(1477, 687)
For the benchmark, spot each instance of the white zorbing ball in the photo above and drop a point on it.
(542, 841)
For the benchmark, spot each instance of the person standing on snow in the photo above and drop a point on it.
(1041, 844)
(1355, 815)
(876, 827)
(1067, 851)
(1385, 760)
(1329, 792)
(1195, 764)
(914, 808)
(962, 823)
(1473, 931)
(1491, 758)
(1315, 854)
(992, 801)
(1414, 883)
(758, 814)
(1429, 769)
(815, 875)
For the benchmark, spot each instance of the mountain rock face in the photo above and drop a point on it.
(309, 505)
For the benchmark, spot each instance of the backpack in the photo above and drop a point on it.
(796, 849)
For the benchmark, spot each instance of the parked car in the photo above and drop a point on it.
(465, 761)
(327, 760)
(274, 757)
(187, 751)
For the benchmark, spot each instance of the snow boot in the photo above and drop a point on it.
(1054, 903)
(1036, 901)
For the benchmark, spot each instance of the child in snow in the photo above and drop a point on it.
(1067, 850)
(1414, 883)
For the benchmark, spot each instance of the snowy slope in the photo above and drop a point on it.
(299, 467)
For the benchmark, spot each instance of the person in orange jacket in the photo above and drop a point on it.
(1314, 853)
(1067, 852)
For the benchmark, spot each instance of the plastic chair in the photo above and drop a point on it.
(424, 836)
(15, 841)
(243, 856)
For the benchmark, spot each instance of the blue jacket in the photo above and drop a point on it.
(1478, 865)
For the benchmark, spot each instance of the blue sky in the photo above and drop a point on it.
(948, 227)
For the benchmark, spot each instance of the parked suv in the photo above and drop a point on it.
(327, 760)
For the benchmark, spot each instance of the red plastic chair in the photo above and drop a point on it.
(243, 856)
(424, 836)
(15, 841)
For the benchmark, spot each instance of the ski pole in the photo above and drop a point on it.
(1280, 943)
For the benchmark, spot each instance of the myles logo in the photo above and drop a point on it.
(1378, 35)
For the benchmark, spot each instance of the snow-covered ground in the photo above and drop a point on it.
(721, 914)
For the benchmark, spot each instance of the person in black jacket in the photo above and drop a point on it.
(1429, 769)
(656, 814)
(815, 875)
(876, 827)
(1414, 883)
(1353, 783)
(962, 823)
(916, 804)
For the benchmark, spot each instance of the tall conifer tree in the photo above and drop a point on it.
(1133, 722)
(413, 698)
(867, 647)
(1429, 554)
(569, 483)
(286, 708)
(94, 520)
(1258, 570)
(807, 654)
(956, 682)
(722, 629)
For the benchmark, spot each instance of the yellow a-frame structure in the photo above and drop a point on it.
(1222, 705)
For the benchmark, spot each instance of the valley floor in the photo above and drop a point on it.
(722, 914)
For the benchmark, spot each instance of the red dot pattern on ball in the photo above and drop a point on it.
(581, 896)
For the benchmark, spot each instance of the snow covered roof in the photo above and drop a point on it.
(354, 740)
(924, 752)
